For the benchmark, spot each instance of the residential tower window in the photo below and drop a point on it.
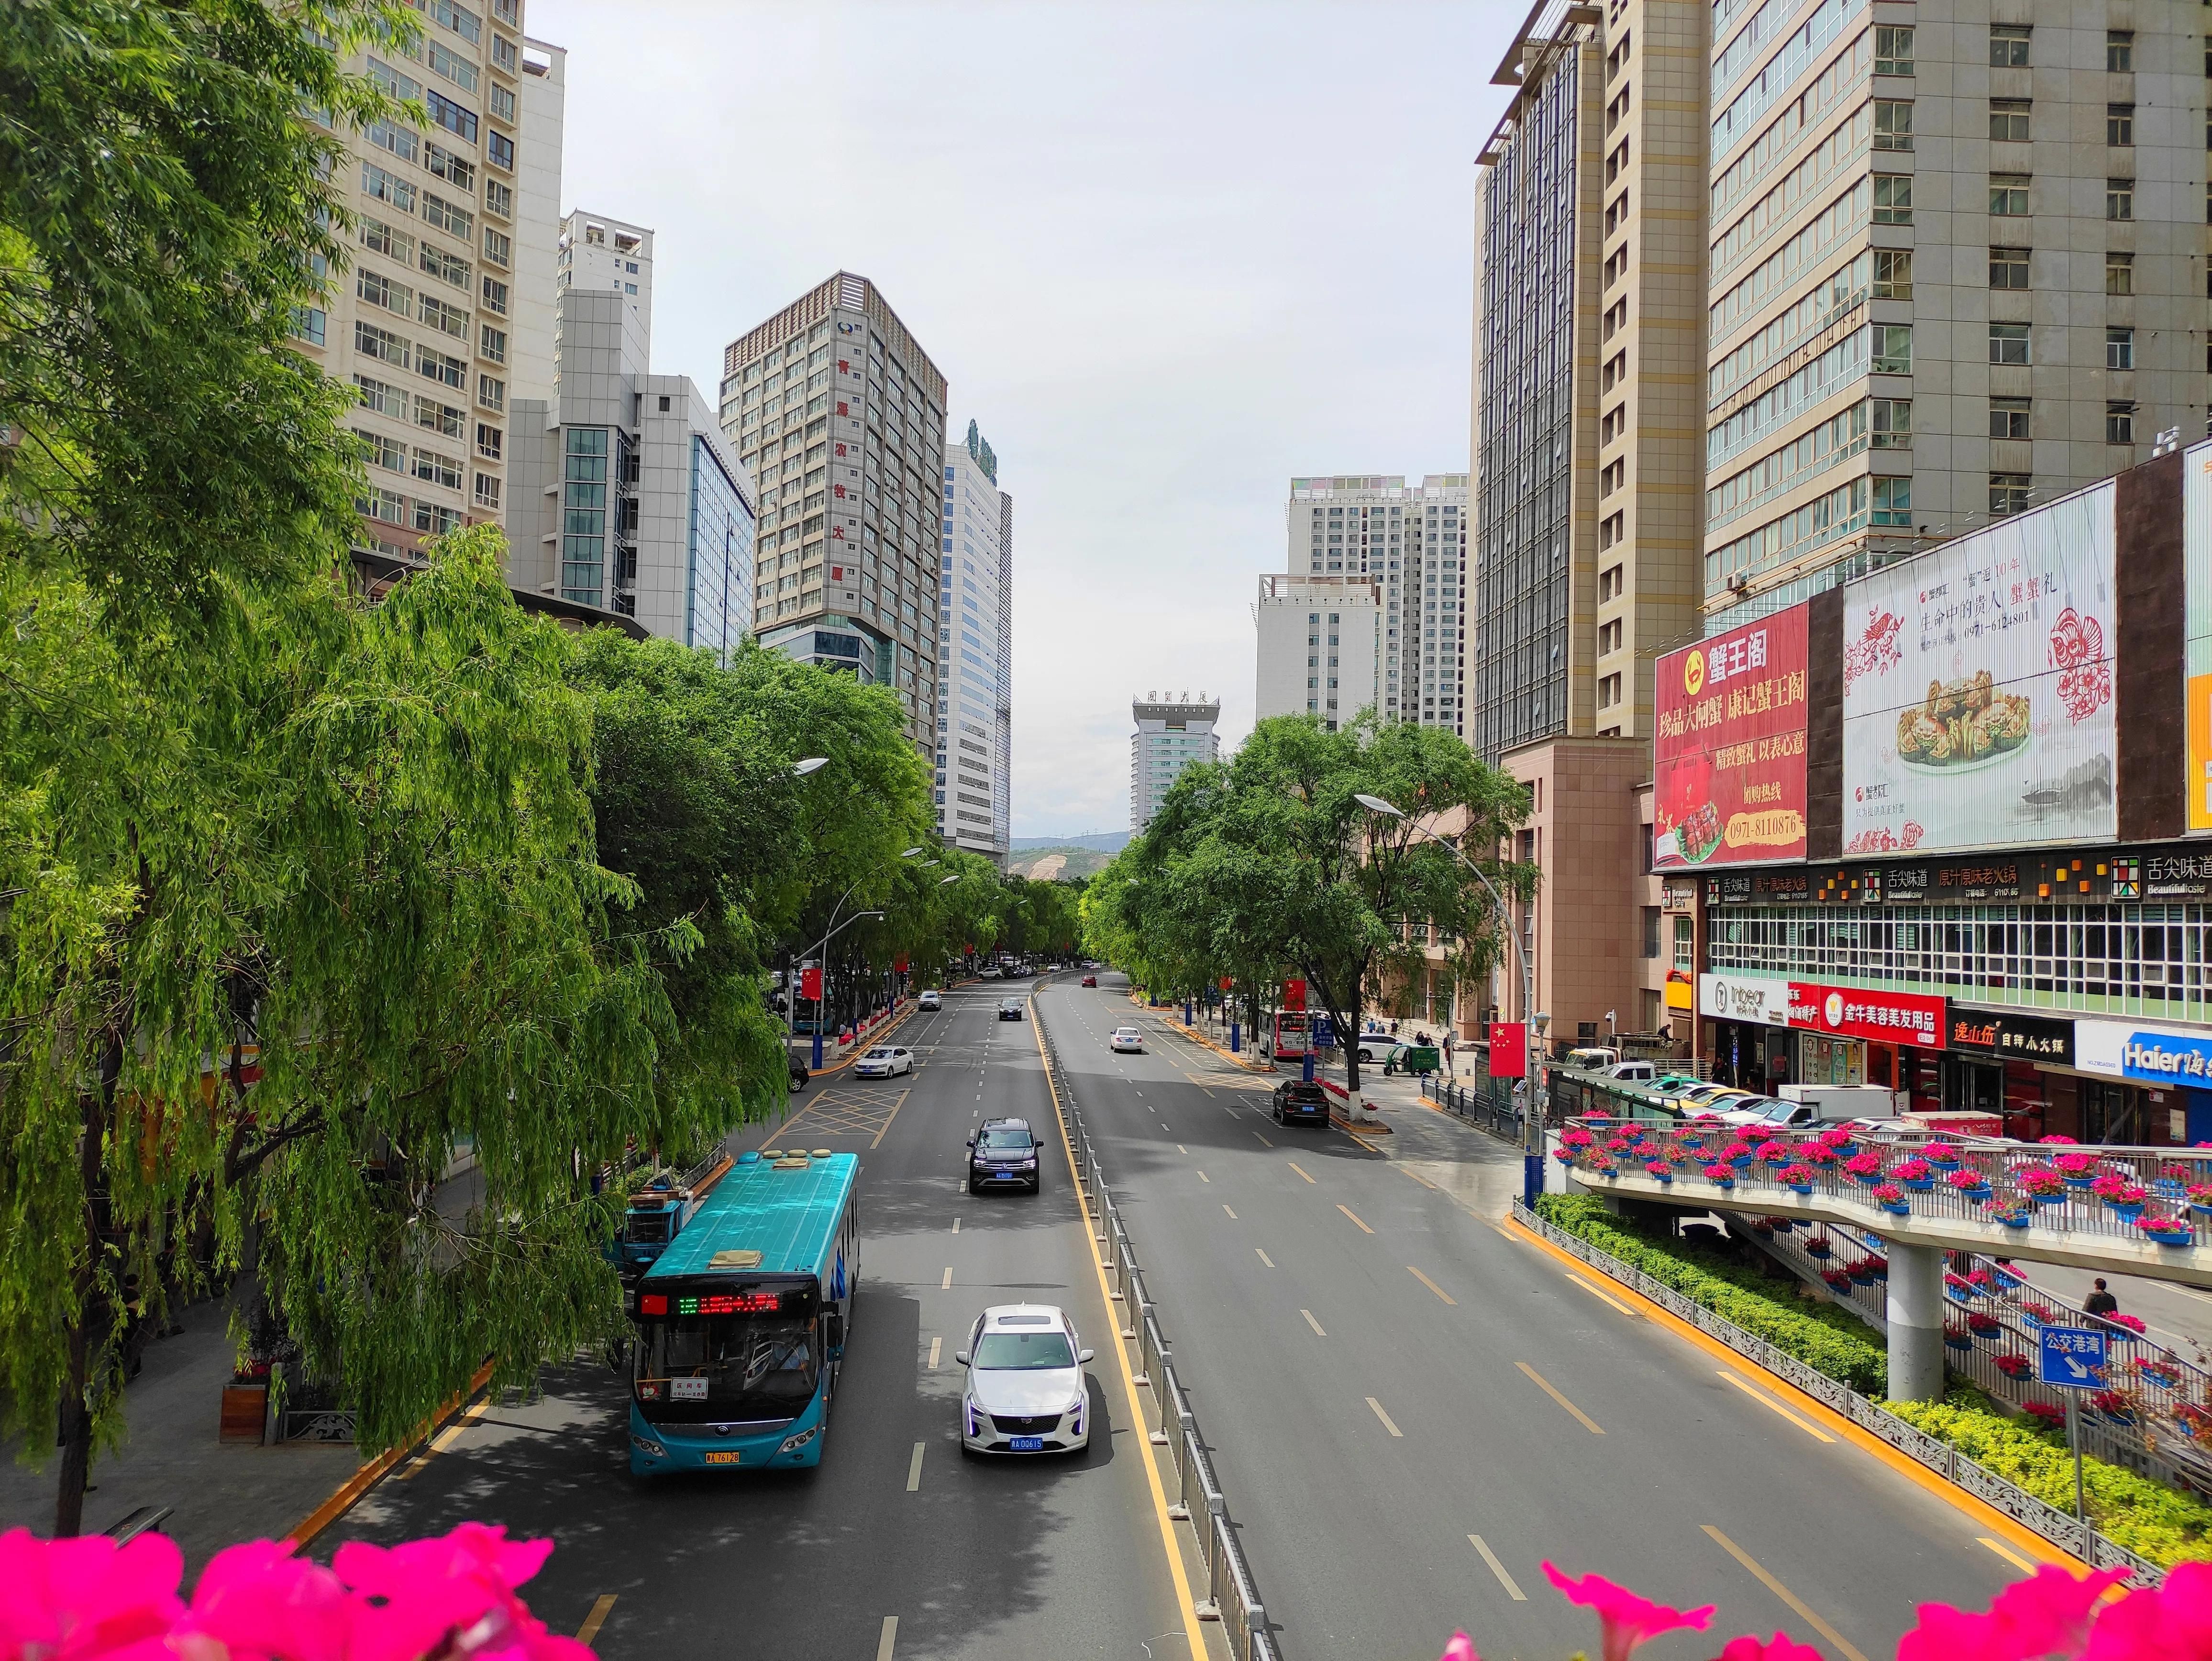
(2009, 45)
(2119, 125)
(2120, 199)
(2119, 423)
(2009, 119)
(2008, 343)
(1892, 424)
(2119, 349)
(2007, 268)
(1893, 51)
(2008, 417)
(2119, 51)
(2008, 493)
(1893, 198)
(2008, 195)
(2119, 273)
(1893, 273)
(1893, 125)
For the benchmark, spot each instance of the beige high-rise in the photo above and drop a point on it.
(421, 325)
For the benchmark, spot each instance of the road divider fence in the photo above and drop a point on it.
(2080, 1537)
(1231, 1597)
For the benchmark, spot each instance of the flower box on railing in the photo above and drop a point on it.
(2012, 1366)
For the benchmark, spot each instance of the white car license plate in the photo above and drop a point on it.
(687, 1390)
(1028, 1445)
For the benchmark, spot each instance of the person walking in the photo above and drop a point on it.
(2101, 1301)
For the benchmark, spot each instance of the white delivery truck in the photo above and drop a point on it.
(1834, 1103)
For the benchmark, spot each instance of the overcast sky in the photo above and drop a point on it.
(1167, 256)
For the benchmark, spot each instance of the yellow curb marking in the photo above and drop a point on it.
(596, 1619)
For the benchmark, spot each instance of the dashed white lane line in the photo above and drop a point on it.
(888, 1641)
(1498, 1569)
(913, 1468)
(1385, 1418)
(936, 1347)
(1231, 1213)
(945, 1285)
(1310, 1322)
(1265, 1258)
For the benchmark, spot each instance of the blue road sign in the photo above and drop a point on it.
(1324, 1033)
(2071, 1358)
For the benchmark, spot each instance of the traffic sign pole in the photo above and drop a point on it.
(2073, 1441)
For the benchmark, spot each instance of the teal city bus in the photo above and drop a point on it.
(742, 1320)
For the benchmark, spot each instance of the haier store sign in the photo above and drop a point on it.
(2150, 1055)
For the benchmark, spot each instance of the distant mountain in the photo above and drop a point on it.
(1061, 862)
(1105, 842)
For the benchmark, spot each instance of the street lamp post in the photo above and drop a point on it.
(1532, 1120)
(801, 769)
(823, 969)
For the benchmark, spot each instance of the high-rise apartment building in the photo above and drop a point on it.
(974, 631)
(1321, 646)
(1412, 543)
(1957, 267)
(626, 497)
(834, 407)
(1172, 733)
(420, 326)
(600, 252)
(537, 221)
(1589, 319)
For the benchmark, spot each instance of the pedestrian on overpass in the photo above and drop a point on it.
(2101, 1301)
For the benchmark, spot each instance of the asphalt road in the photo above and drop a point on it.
(1412, 1409)
(986, 1561)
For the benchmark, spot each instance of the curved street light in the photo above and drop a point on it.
(811, 765)
(1532, 1150)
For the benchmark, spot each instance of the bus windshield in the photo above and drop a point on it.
(700, 1368)
(648, 1227)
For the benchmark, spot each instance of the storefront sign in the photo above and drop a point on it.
(1978, 688)
(2197, 607)
(1728, 757)
(2045, 876)
(2154, 1054)
(1853, 1013)
(1681, 994)
(2023, 1037)
(1744, 998)
(1679, 896)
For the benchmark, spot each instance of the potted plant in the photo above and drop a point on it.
(2166, 1374)
(2041, 1315)
(1601, 1164)
(1798, 1178)
(1819, 1154)
(2168, 1230)
(2012, 1366)
(1819, 1246)
(1738, 1154)
(1660, 1170)
(2131, 1326)
(2114, 1405)
(1864, 1168)
(1968, 1184)
(2191, 1420)
(1720, 1175)
(2048, 1415)
(2042, 1183)
(1762, 1227)
(1859, 1271)
(1957, 1286)
(2012, 1213)
(2076, 1170)
(1838, 1141)
(1892, 1199)
(2123, 1198)
(1877, 1265)
(1839, 1280)
(1774, 1152)
(1941, 1155)
(2200, 1198)
(2172, 1182)
(1917, 1175)
(1983, 1324)
(1957, 1338)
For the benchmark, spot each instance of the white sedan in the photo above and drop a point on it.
(1129, 1040)
(884, 1061)
(1025, 1391)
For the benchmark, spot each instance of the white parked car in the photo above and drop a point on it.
(1129, 1040)
(886, 1060)
(933, 999)
(989, 971)
(1025, 1391)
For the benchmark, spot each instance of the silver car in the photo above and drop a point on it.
(1025, 1391)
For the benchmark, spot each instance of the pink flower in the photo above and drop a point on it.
(466, 1581)
(1626, 1619)
(1777, 1648)
(1461, 1648)
(1940, 1151)
(262, 1604)
(72, 1600)
(2047, 1615)
(2170, 1622)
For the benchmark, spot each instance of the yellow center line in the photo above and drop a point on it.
(1294, 1164)
(1310, 1322)
(1363, 1227)
(596, 1619)
(1796, 1605)
(1385, 1417)
(1602, 1297)
(1432, 1285)
(1265, 1258)
(1545, 1385)
(1761, 1397)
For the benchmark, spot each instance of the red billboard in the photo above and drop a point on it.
(1728, 749)
(1509, 1049)
(1850, 1011)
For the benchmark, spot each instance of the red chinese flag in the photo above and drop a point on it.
(1294, 995)
(1226, 983)
(1509, 1049)
(810, 983)
(898, 965)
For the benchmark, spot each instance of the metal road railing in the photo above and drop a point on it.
(2079, 1538)
(1231, 1595)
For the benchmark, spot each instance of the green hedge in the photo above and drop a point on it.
(2148, 1518)
(1824, 1337)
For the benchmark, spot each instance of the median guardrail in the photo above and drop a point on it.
(1231, 1597)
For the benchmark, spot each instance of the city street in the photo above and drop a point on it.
(997, 1561)
(1412, 1409)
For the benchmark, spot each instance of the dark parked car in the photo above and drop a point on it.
(1003, 1155)
(1010, 1009)
(1300, 1103)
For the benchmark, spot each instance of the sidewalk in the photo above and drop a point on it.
(222, 1492)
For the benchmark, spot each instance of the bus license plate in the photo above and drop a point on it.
(721, 1458)
(1027, 1443)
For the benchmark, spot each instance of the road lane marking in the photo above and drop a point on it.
(955, 1225)
(945, 1285)
(1265, 1258)
(1307, 1313)
(1264, 1142)
(1796, 1605)
(1545, 1385)
(1231, 1213)
(596, 1619)
(1180, 1148)
(1603, 1298)
(913, 1468)
(1761, 1397)
(1203, 1177)
(1498, 1569)
(2007, 1553)
(1432, 1285)
(1293, 1163)
(1385, 1418)
(935, 1345)
(1363, 1227)
(888, 1641)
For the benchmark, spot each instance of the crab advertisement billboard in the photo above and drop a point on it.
(1978, 688)
(1729, 754)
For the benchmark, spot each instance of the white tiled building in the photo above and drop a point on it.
(600, 252)
(1321, 646)
(1172, 733)
(974, 633)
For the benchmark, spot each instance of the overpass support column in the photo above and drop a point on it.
(1916, 1323)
